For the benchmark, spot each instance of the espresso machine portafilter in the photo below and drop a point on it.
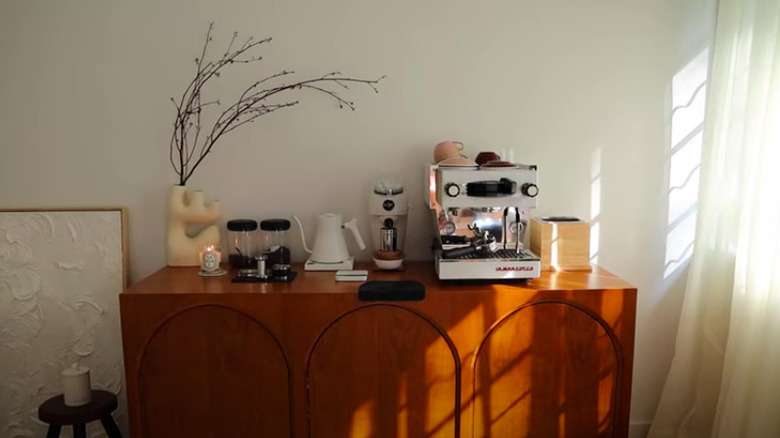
(388, 210)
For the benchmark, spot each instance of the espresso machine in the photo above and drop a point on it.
(480, 215)
(388, 209)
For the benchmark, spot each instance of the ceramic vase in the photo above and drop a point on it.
(186, 208)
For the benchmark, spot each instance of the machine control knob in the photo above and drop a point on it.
(530, 190)
(388, 204)
(452, 189)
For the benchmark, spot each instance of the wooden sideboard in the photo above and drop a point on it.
(205, 357)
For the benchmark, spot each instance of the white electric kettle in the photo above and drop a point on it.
(330, 248)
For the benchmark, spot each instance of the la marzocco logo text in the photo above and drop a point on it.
(515, 268)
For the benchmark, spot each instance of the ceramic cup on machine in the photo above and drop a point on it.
(485, 157)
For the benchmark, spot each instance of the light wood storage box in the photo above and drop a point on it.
(561, 245)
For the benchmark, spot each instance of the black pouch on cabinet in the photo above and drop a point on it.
(403, 290)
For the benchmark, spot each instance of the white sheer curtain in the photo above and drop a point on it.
(725, 376)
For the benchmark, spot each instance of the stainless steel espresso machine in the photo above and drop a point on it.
(480, 215)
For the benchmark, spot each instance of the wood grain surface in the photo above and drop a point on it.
(213, 371)
(389, 350)
(562, 365)
(547, 357)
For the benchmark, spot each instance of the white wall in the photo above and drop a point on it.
(85, 118)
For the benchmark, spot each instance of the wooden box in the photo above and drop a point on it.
(562, 245)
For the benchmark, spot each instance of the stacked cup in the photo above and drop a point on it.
(449, 153)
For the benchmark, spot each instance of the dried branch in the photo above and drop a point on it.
(188, 147)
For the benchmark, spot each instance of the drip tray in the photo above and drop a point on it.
(500, 254)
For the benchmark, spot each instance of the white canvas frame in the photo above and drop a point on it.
(61, 272)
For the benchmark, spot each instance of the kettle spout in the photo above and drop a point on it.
(303, 238)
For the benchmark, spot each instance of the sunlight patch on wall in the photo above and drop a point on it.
(595, 204)
(554, 247)
(688, 109)
(684, 179)
(679, 244)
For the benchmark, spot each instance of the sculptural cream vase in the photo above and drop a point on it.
(187, 208)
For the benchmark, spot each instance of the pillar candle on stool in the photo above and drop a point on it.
(75, 386)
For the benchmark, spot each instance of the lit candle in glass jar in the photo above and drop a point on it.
(210, 258)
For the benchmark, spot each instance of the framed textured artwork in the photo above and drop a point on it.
(61, 272)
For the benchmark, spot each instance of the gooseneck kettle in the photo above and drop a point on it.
(330, 248)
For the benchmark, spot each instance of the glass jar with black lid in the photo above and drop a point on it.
(274, 245)
(242, 243)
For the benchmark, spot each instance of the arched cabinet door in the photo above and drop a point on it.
(212, 371)
(383, 371)
(548, 369)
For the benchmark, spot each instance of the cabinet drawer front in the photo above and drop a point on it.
(211, 371)
(383, 371)
(548, 369)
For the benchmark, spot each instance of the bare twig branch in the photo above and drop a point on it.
(251, 104)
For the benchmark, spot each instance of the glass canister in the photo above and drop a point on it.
(242, 242)
(274, 243)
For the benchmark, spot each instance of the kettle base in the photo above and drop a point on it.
(347, 265)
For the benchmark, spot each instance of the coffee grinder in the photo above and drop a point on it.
(388, 209)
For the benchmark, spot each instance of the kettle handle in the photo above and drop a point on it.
(352, 226)
(303, 238)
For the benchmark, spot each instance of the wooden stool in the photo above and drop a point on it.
(54, 412)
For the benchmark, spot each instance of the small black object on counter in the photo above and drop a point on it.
(401, 290)
(253, 276)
